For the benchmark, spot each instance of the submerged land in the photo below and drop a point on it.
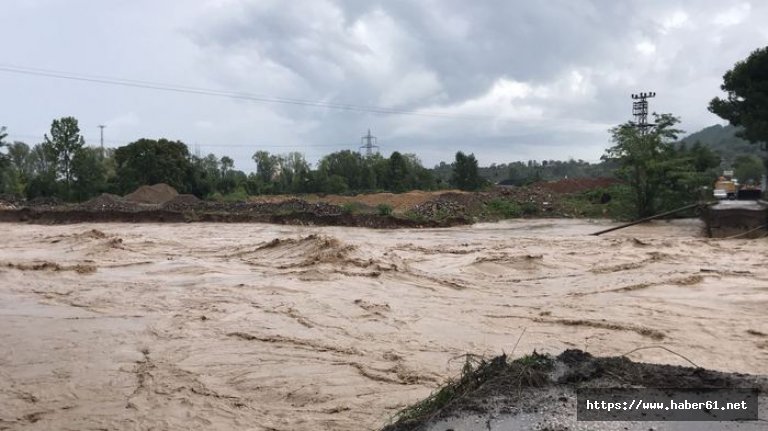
(275, 327)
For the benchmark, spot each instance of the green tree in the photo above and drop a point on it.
(266, 165)
(344, 164)
(19, 157)
(3, 135)
(7, 174)
(465, 174)
(88, 173)
(336, 184)
(18, 169)
(746, 102)
(294, 172)
(418, 177)
(149, 161)
(65, 140)
(397, 173)
(43, 182)
(227, 176)
(645, 160)
(703, 158)
(748, 167)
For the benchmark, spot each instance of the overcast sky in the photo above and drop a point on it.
(508, 80)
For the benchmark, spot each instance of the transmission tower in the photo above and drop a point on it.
(369, 143)
(640, 111)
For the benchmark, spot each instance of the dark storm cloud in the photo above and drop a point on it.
(467, 44)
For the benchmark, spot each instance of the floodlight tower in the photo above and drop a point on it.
(640, 111)
(369, 143)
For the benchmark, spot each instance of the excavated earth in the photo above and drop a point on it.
(217, 326)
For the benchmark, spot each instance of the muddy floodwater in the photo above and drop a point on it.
(265, 327)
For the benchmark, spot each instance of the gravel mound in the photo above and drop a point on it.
(107, 202)
(182, 203)
(45, 202)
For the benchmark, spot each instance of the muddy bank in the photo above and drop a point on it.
(539, 392)
(72, 216)
(224, 326)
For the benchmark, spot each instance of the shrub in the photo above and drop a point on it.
(350, 208)
(384, 209)
(504, 208)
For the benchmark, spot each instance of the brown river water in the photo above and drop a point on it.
(266, 327)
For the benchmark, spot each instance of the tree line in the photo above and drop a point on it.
(63, 167)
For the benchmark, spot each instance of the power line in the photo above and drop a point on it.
(19, 137)
(229, 94)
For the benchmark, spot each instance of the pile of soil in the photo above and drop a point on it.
(539, 391)
(578, 185)
(156, 194)
(400, 202)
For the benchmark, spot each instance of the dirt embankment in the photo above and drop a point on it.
(68, 216)
(162, 203)
(539, 392)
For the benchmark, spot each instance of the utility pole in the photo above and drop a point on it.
(640, 111)
(369, 143)
(101, 126)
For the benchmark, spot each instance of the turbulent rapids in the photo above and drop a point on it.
(222, 326)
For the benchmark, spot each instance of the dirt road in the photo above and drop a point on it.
(228, 327)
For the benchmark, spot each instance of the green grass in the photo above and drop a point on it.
(502, 208)
(414, 216)
(351, 208)
(384, 209)
(590, 203)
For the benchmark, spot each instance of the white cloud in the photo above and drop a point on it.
(733, 16)
(646, 48)
(675, 20)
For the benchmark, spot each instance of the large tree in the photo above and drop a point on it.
(266, 165)
(65, 140)
(149, 161)
(646, 159)
(346, 165)
(465, 174)
(746, 101)
(397, 173)
(88, 173)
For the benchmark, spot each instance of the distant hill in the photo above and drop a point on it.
(723, 140)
